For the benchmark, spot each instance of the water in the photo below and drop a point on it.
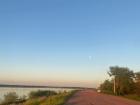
(25, 91)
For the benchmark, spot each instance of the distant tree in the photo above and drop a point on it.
(123, 80)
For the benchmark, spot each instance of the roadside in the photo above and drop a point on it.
(90, 97)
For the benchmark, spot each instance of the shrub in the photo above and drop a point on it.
(10, 98)
(41, 93)
(107, 87)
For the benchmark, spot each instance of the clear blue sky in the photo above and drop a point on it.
(67, 42)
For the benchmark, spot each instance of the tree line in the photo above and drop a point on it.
(123, 81)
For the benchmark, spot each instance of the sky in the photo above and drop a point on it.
(67, 42)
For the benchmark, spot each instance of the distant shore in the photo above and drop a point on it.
(36, 86)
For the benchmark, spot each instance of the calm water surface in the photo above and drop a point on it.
(26, 91)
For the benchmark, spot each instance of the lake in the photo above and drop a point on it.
(25, 91)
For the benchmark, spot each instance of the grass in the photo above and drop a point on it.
(129, 96)
(133, 97)
(58, 99)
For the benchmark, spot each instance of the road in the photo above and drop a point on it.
(90, 97)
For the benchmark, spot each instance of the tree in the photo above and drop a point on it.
(123, 80)
(137, 84)
(107, 86)
(137, 75)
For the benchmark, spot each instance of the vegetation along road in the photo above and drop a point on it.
(90, 97)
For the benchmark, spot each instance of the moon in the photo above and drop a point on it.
(90, 57)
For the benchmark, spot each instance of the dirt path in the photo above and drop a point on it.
(89, 97)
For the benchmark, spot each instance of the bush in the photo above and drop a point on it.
(41, 93)
(107, 87)
(10, 98)
(137, 89)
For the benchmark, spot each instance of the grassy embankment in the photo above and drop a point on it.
(40, 97)
(58, 99)
(132, 97)
(129, 96)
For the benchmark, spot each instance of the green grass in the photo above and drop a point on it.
(129, 96)
(58, 99)
(133, 97)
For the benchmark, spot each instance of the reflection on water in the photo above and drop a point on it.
(26, 91)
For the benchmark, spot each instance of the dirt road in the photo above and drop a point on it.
(90, 97)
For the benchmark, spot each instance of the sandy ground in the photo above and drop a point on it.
(90, 97)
